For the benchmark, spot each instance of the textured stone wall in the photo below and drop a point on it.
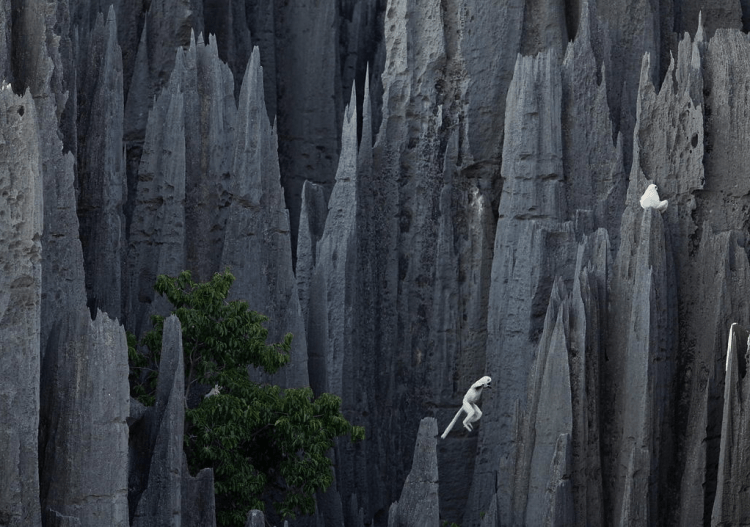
(423, 193)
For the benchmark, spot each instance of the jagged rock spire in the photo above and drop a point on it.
(21, 220)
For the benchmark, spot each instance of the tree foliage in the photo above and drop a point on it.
(258, 439)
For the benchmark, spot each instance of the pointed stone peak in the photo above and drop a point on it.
(351, 109)
(111, 15)
(699, 35)
(582, 42)
(365, 145)
(347, 168)
(252, 83)
(584, 28)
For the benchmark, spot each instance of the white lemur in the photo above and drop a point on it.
(650, 199)
(473, 413)
(216, 390)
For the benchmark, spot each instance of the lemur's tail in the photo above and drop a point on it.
(450, 426)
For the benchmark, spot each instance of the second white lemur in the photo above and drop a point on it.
(473, 413)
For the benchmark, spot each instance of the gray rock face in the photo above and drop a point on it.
(307, 49)
(257, 238)
(161, 500)
(197, 498)
(492, 227)
(101, 169)
(644, 276)
(550, 414)
(311, 225)
(157, 229)
(531, 236)
(418, 505)
(21, 220)
(333, 286)
(84, 475)
(595, 180)
(209, 145)
(729, 507)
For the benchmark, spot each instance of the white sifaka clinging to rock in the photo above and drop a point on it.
(473, 413)
(650, 199)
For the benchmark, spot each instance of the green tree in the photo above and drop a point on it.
(260, 440)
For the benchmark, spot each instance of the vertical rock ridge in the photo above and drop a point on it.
(729, 506)
(21, 226)
(418, 504)
(641, 363)
(415, 168)
(101, 169)
(308, 112)
(84, 475)
(548, 414)
(156, 241)
(720, 261)
(206, 181)
(311, 225)
(587, 353)
(197, 498)
(497, 25)
(631, 29)
(334, 279)
(531, 247)
(257, 244)
(160, 503)
(595, 180)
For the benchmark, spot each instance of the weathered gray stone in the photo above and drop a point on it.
(333, 286)
(6, 74)
(629, 29)
(257, 245)
(308, 112)
(167, 24)
(729, 507)
(156, 238)
(594, 174)
(544, 27)
(587, 336)
(494, 25)
(561, 511)
(101, 169)
(37, 65)
(207, 167)
(434, 303)
(160, 503)
(726, 14)
(550, 413)
(642, 358)
(719, 262)
(532, 246)
(21, 225)
(418, 505)
(197, 498)
(83, 437)
(311, 225)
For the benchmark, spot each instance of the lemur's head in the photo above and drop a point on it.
(484, 382)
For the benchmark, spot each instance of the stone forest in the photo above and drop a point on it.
(423, 193)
